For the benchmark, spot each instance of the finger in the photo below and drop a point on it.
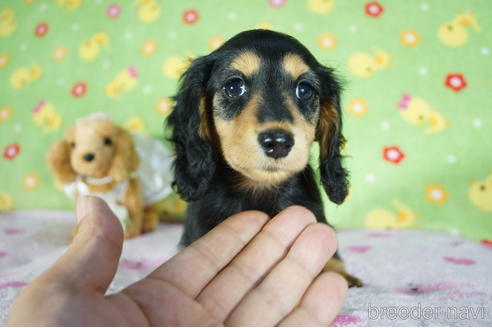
(226, 290)
(321, 303)
(285, 285)
(92, 259)
(193, 268)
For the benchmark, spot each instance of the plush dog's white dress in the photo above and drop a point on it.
(154, 173)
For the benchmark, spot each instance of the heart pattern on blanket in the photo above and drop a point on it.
(358, 249)
(459, 261)
(15, 284)
(13, 231)
(345, 320)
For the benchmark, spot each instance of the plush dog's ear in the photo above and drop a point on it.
(194, 166)
(58, 159)
(125, 159)
(330, 138)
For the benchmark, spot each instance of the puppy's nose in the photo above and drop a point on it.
(89, 157)
(276, 143)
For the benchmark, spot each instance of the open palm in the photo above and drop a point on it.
(249, 270)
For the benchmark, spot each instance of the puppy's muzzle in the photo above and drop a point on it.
(276, 143)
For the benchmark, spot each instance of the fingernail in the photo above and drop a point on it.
(82, 207)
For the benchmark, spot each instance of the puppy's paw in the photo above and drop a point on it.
(132, 232)
(336, 265)
(150, 221)
(352, 280)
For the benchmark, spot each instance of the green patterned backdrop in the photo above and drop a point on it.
(417, 101)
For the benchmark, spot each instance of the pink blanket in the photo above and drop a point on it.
(416, 278)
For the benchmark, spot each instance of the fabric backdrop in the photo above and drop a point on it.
(417, 103)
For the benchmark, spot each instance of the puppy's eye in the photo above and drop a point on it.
(108, 141)
(72, 144)
(235, 87)
(304, 91)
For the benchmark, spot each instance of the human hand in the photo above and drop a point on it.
(249, 270)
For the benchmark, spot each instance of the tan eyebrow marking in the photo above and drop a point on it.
(294, 65)
(248, 63)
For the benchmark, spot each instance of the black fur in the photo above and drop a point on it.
(202, 176)
(194, 167)
(223, 200)
(333, 175)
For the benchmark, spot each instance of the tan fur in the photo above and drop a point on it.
(87, 137)
(151, 217)
(204, 129)
(336, 265)
(57, 157)
(301, 125)
(248, 63)
(101, 188)
(119, 161)
(327, 121)
(238, 137)
(244, 154)
(294, 65)
(126, 159)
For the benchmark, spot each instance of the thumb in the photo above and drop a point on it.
(92, 259)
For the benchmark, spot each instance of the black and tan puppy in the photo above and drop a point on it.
(243, 124)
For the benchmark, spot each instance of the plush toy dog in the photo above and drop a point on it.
(131, 173)
(245, 118)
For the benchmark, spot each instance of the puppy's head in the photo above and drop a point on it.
(100, 148)
(258, 102)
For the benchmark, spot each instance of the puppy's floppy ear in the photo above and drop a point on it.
(125, 159)
(194, 166)
(330, 138)
(58, 159)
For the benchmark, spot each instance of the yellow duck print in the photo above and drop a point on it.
(364, 65)
(25, 75)
(5, 201)
(173, 67)
(148, 10)
(123, 82)
(135, 124)
(46, 116)
(4, 59)
(418, 112)
(480, 193)
(381, 218)
(455, 33)
(70, 4)
(8, 23)
(90, 49)
(321, 6)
